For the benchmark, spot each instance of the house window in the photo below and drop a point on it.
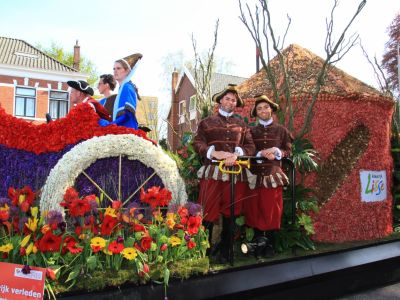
(25, 99)
(182, 111)
(58, 104)
(192, 107)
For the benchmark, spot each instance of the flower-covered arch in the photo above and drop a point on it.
(80, 157)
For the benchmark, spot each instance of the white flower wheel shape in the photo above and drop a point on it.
(80, 157)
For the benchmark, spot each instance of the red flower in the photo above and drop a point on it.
(151, 197)
(156, 197)
(163, 247)
(50, 274)
(49, 242)
(165, 197)
(145, 243)
(4, 215)
(79, 207)
(23, 197)
(78, 230)
(115, 247)
(193, 225)
(139, 227)
(137, 246)
(183, 212)
(146, 268)
(95, 249)
(191, 244)
(70, 245)
(55, 136)
(70, 196)
(108, 225)
(116, 204)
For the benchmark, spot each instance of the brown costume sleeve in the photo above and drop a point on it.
(249, 147)
(200, 141)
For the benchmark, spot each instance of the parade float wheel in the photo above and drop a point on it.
(117, 166)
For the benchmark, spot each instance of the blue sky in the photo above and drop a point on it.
(108, 30)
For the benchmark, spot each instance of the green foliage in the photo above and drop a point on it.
(304, 156)
(297, 234)
(67, 58)
(189, 163)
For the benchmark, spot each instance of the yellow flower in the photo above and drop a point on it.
(108, 252)
(174, 241)
(32, 224)
(171, 216)
(158, 217)
(34, 249)
(110, 212)
(129, 253)
(21, 198)
(25, 240)
(6, 248)
(170, 223)
(29, 249)
(98, 242)
(34, 211)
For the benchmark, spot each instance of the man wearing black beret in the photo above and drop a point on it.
(81, 92)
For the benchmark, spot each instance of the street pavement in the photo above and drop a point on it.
(390, 292)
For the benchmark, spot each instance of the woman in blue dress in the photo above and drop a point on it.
(124, 107)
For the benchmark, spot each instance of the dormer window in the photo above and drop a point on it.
(28, 55)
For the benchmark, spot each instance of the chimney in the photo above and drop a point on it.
(257, 59)
(174, 83)
(174, 111)
(77, 56)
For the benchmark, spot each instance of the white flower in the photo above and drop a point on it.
(71, 165)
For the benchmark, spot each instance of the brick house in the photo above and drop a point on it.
(147, 114)
(33, 83)
(183, 116)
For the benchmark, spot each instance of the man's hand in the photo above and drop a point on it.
(230, 161)
(220, 155)
(269, 153)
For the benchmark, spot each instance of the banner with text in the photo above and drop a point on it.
(16, 285)
(373, 186)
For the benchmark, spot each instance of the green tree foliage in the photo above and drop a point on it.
(389, 61)
(67, 58)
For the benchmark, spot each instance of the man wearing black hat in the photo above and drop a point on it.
(222, 137)
(81, 92)
(264, 206)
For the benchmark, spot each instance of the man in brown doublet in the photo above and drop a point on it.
(222, 137)
(264, 206)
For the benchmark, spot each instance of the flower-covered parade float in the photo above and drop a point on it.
(94, 206)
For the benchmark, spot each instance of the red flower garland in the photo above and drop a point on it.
(81, 123)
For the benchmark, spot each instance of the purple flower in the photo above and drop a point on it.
(4, 201)
(54, 217)
(193, 208)
(120, 239)
(26, 269)
(94, 207)
(187, 237)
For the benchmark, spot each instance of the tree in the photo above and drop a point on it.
(258, 23)
(67, 58)
(203, 69)
(390, 57)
